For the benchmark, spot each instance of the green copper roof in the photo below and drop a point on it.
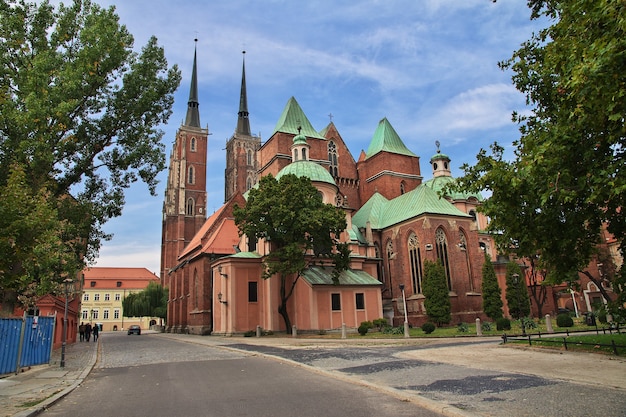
(246, 255)
(438, 183)
(311, 170)
(439, 155)
(299, 139)
(386, 139)
(317, 275)
(292, 118)
(382, 213)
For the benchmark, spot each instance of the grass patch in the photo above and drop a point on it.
(598, 343)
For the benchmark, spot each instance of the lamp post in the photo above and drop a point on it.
(519, 302)
(66, 283)
(406, 319)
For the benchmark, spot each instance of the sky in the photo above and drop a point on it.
(429, 66)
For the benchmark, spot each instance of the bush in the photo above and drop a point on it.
(564, 320)
(381, 323)
(462, 327)
(364, 327)
(503, 324)
(528, 323)
(486, 326)
(428, 327)
(249, 333)
(393, 330)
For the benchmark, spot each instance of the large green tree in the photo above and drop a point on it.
(492, 293)
(290, 215)
(80, 111)
(150, 302)
(435, 289)
(566, 178)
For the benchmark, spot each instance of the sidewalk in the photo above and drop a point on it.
(33, 390)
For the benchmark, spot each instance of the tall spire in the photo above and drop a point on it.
(193, 115)
(243, 122)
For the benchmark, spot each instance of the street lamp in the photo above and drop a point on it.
(406, 319)
(66, 283)
(518, 297)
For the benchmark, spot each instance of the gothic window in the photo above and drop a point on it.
(468, 266)
(462, 241)
(473, 214)
(192, 145)
(332, 158)
(379, 265)
(415, 258)
(195, 288)
(248, 184)
(190, 175)
(249, 157)
(402, 188)
(442, 254)
(189, 207)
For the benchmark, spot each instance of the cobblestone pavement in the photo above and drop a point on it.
(473, 376)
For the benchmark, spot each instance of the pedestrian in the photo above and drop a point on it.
(87, 331)
(81, 331)
(96, 330)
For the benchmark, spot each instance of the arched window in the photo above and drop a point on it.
(196, 288)
(295, 155)
(473, 214)
(442, 254)
(191, 175)
(189, 207)
(249, 157)
(304, 154)
(468, 266)
(332, 158)
(192, 144)
(415, 259)
(379, 265)
(402, 188)
(248, 184)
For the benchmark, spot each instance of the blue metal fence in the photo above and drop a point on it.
(25, 341)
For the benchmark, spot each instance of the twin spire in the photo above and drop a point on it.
(193, 114)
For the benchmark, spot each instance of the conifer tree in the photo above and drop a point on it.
(435, 289)
(492, 293)
(516, 291)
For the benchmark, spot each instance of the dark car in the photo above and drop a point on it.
(134, 330)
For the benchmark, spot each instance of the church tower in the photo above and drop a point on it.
(241, 149)
(184, 207)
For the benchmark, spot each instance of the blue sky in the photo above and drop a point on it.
(429, 66)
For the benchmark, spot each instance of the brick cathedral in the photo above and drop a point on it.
(396, 220)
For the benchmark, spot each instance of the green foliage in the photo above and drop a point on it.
(290, 214)
(435, 289)
(393, 330)
(529, 323)
(428, 327)
(503, 324)
(492, 293)
(364, 327)
(380, 323)
(517, 296)
(151, 302)
(462, 327)
(566, 177)
(79, 119)
(486, 326)
(564, 320)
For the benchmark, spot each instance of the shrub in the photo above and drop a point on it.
(564, 320)
(486, 326)
(364, 327)
(503, 324)
(381, 323)
(393, 330)
(428, 327)
(462, 327)
(249, 333)
(528, 323)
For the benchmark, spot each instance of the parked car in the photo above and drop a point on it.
(134, 329)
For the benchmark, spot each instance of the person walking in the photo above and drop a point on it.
(96, 330)
(81, 331)
(87, 331)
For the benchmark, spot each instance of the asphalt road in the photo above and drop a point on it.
(150, 375)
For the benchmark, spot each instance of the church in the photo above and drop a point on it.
(396, 221)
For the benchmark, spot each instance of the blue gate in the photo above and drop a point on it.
(25, 341)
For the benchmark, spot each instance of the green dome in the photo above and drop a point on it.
(299, 139)
(311, 170)
(439, 155)
(438, 183)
